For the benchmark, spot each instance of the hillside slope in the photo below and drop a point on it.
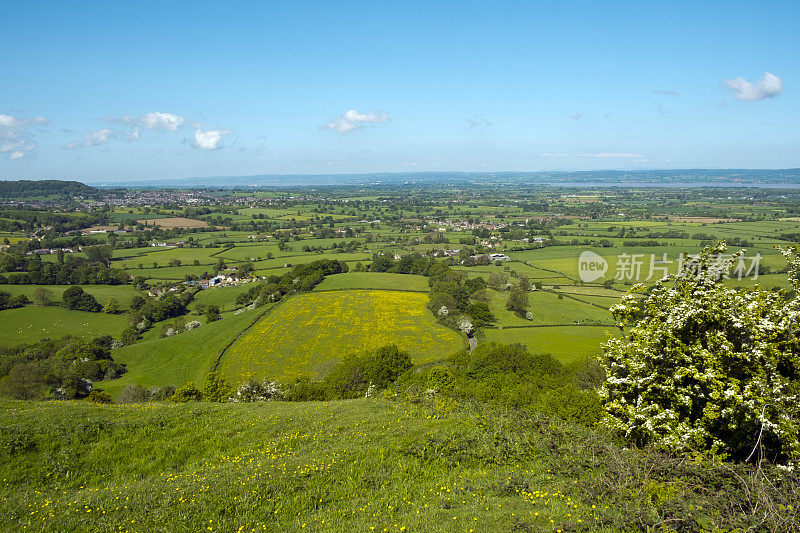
(360, 465)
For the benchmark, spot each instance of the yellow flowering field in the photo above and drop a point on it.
(307, 334)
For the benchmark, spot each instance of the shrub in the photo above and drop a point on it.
(134, 394)
(441, 380)
(707, 367)
(25, 381)
(212, 313)
(187, 393)
(75, 298)
(257, 391)
(386, 365)
(215, 388)
(9, 302)
(99, 396)
(162, 394)
(129, 335)
(112, 307)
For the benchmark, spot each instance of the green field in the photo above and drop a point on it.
(32, 323)
(566, 343)
(547, 309)
(156, 362)
(374, 280)
(224, 297)
(307, 334)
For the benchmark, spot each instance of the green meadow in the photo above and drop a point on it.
(189, 356)
(374, 280)
(32, 323)
(568, 344)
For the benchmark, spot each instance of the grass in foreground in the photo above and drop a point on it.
(361, 465)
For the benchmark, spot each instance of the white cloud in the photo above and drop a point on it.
(161, 121)
(9, 146)
(17, 139)
(134, 134)
(7, 121)
(577, 115)
(665, 93)
(353, 120)
(209, 139)
(93, 138)
(768, 86)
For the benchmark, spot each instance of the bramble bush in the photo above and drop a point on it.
(707, 367)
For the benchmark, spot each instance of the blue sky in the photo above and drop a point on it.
(106, 91)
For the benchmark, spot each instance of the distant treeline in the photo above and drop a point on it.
(68, 269)
(31, 188)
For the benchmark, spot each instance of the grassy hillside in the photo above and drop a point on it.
(361, 465)
(156, 362)
(308, 333)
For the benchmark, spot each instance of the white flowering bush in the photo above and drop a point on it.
(257, 391)
(193, 324)
(465, 325)
(443, 311)
(703, 361)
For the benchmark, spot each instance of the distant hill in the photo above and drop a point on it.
(23, 189)
(650, 178)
